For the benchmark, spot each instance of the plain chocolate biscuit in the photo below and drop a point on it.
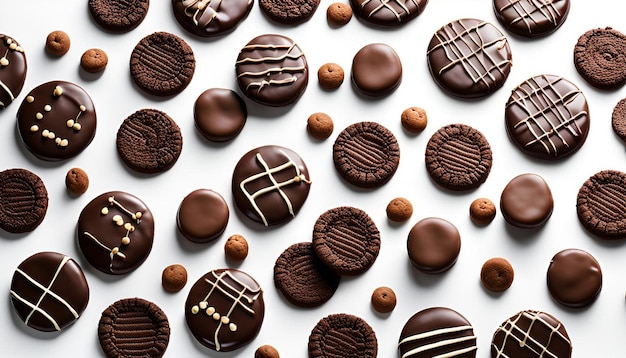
(23, 200)
(376, 70)
(58, 43)
(289, 12)
(219, 114)
(600, 58)
(433, 245)
(414, 119)
(118, 16)
(319, 125)
(497, 274)
(601, 204)
(526, 201)
(574, 278)
(94, 60)
(202, 216)
(338, 14)
(342, 335)
(76, 181)
(330, 76)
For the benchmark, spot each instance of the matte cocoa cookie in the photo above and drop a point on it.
(399, 210)
(601, 204)
(266, 351)
(23, 200)
(600, 58)
(289, 12)
(388, 13)
(13, 68)
(76, 181)
(118, 16)
(236, 248)
(219, 114)
(433, 245)
(174, 278)
(526, 201)
(58, 43)
(618, 119)
(338, 14)
(531, 19)
(376, 70)
(342, 335)
(211, 18)
(330, 76)
(574, 278)
(319, 125)
(497, 274)
(94, 60)
(414, 119)
(383, 299)
(202, 216)
(482, 211)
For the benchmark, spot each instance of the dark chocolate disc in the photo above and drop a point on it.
(388, 13)
(574, 278)
(219, 114)
(23, 200)
(49, 291)
(469, 58)
(225, 309)
(342, 335)
(433, 245)
(57, 120)
(202, 216)
(13, 68)
(547, 117)
(600, 58)
(376, 70)
(530, 18)
(526, 201)
(118, 16)
(211, 17)
(601, 204)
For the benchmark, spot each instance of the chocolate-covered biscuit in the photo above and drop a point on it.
(376, 70)
(388, 13)
(526, 201)
(118, 16)
(289, 12)
(219, 114)
(211, 17)
(342, 335)
(600, 58)
(202, 216)
(601, 204)
(574, 278)
(13, 68)
(433, 245)
(529, 18)
(23, 200)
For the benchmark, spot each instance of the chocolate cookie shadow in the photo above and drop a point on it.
(210, 143)
(205, 351)
(262, 111)
(89, 76)
(190, 247)
(492, 294)
(523, 236)
(425, 279)
(17, 322)
(13, 236)
(607, 243)
(365, 98)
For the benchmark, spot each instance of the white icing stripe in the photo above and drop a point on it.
(35, 308)
(7, 90)
(442, 343)
(435, 332)
(458, 352)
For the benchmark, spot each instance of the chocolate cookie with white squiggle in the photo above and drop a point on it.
(208, 18)
(529, 18)
(13, 68)
(388, 13)
(272, 70)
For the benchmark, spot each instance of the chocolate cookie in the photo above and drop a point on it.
(618, 119)
(531, 334)
(437, 332)
(600, 58)
(302, 278)
(174, 278)
(118, 16)
(388, 13)
(270, 184)
(469, 58)
(76, 181)
(58, 43)
(383, 299)
(601, 204)
(236, 248)
(497, 274)
(526, 201)
(209, 17)
(133, 328)
(162, 64)
(219, 114)
(57, 120)
(23, 200)
(399, 210)
(482, 211)
(330, 76)
(531, 19)
(266, 351)
(458, 157)
(319, 125)
(289, 12)
(376, 70)
(414, 119)
(547, 117)
(272, 70)
(115, 232)
(13, 68)
(366, 154)
(338, 14)
(433, 245)
(149, 141)
(574, 278)
(49, 291)
(202, 216)
(225, 309)
(342, 335)
(94, 60)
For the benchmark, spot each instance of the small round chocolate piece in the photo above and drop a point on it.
(13, 68)
(574, 278)
(433, 245)
(330, 76)
(531, 19)
(601, 204)
(338, 14)
(94, 60)
(497, 274)
(266, 351)
(236, 248)
(174, 278)
(399, 210)
(23, 200)
(289, 12)
(414, 119)
(388, 13)
(202, 216)
(118, 16)
(482, 211)
(526, 201)
(618, 119)
(600, 58)
(219, 114)
(376, 70)
(383, 299)
(76, 181)
(342, 335)
(319, 125)
(58, 43)
(211, 18)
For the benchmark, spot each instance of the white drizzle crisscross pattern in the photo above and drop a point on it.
(270, 71)
(532, 11)
(445, 342)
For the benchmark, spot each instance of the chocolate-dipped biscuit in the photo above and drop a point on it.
(118, 16)
(529, 18)
(202, 216)
(289, 12)
(219, 114)
(13, 68)
(208, 18)
(433, 245)
(388, 13)
(469, 58)
(342, 335)
(600, 58)
(526, 201)
(601, 204)
(376, 70)
(225, 309)
(574, 278)
(23, 200)
(57, 120)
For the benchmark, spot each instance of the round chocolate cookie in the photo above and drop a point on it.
(289, 12)
(433, 245)
(618, 119)
(236, 248)
(270, 184)
(118, 16)
(338, 14)
(601, 204)
(319, 125)
(174, 278)
(76, 181)
(497, 274)
(383, 299)
(219, 114)
(547, 117)
(600, 58)
(376, 70)
(531, 19)
(272, 70)
(526, 201)
(366, 154)
(23, 200)
(225, 309)
(399, 210)
(162, 64)
(302, 278)
(133, 328)
(458, 157)
(330, 76)
(115, 232)
(202, 216)
(388, 13)
(342, 335)
(58, 43)
(469, 58)
(209, 17)
(347, 240)
(13, 68)
(57, 120)
(149, 141)
(49, 291)
(482, 211)
(437, 332)
(574, 278)
(531, 334)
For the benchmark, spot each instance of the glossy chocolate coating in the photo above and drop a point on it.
(202, 216)
(219, 114)
(272, 70)
(225, 309)
(64, 139)
(547, 117)
(437, 332)
(255, 190)
(574, 278)
(433, 245)
(530, 18)
(469, 58)
(376, 70)
(13, 68)
(101, 237)
(212, 17)
(388, 13)
(49, 291)
(526, 201)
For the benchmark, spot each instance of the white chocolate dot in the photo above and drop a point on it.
(69, 123)
(77, 126)
(115, 250)
(138, 215)
(4, 61)
(34, 128)
(225, 320)
(47, 108)
(58, 91)
(210, 311)
(58, 141)
(38, 115)
(127, 226)
(45, 133)
(232, 327)
(216, 316)
(30, 99)
(195, 310)
(13, 46)
(104, 211)
(203, 305)
(201, 6)
(111, 199)
(51, 135)
(9, 41)
(64, 143)
(82, 108)
(125, 240)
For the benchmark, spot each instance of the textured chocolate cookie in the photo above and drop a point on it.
(289, 12)
(118, 16)
(433, 245)
(174, 278)
(526, 201)
(208, 18)
(414, 119)
(383, 299)
(162, 64)
(76, 181)
(366, 154)
(437, 332)
(388, 13)
(330, 76)
(236, 248)
(49, 291)
(149, 141)
(547, 117)
(482, 211)
(347, 240)
(601, 204)
(574, 278)
(458, 157)
(529, 18)
(342, 335)
(531, 334)
(618, 119)
(13, 68)
(23, 200)
(469, 58)
(57, 120)
(94, 60)
(58, 43)
(319, 125)
(399, 210)
(600, 58)
(376, 70)
(497, 274)
(133, 328)
(219, 114)
(202, 216)
(302, 278)
(338, 14)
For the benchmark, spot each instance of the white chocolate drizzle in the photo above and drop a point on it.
(386, 5)
(4, 62)
(532, 11)
(444, 342)
(268, 72)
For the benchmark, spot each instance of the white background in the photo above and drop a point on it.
(597, 331)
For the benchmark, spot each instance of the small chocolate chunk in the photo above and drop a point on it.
(319, 125)
(236, 248)
(497, 274)
(76, 181)
(383, 299)
(174, 278)
(58, 43)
